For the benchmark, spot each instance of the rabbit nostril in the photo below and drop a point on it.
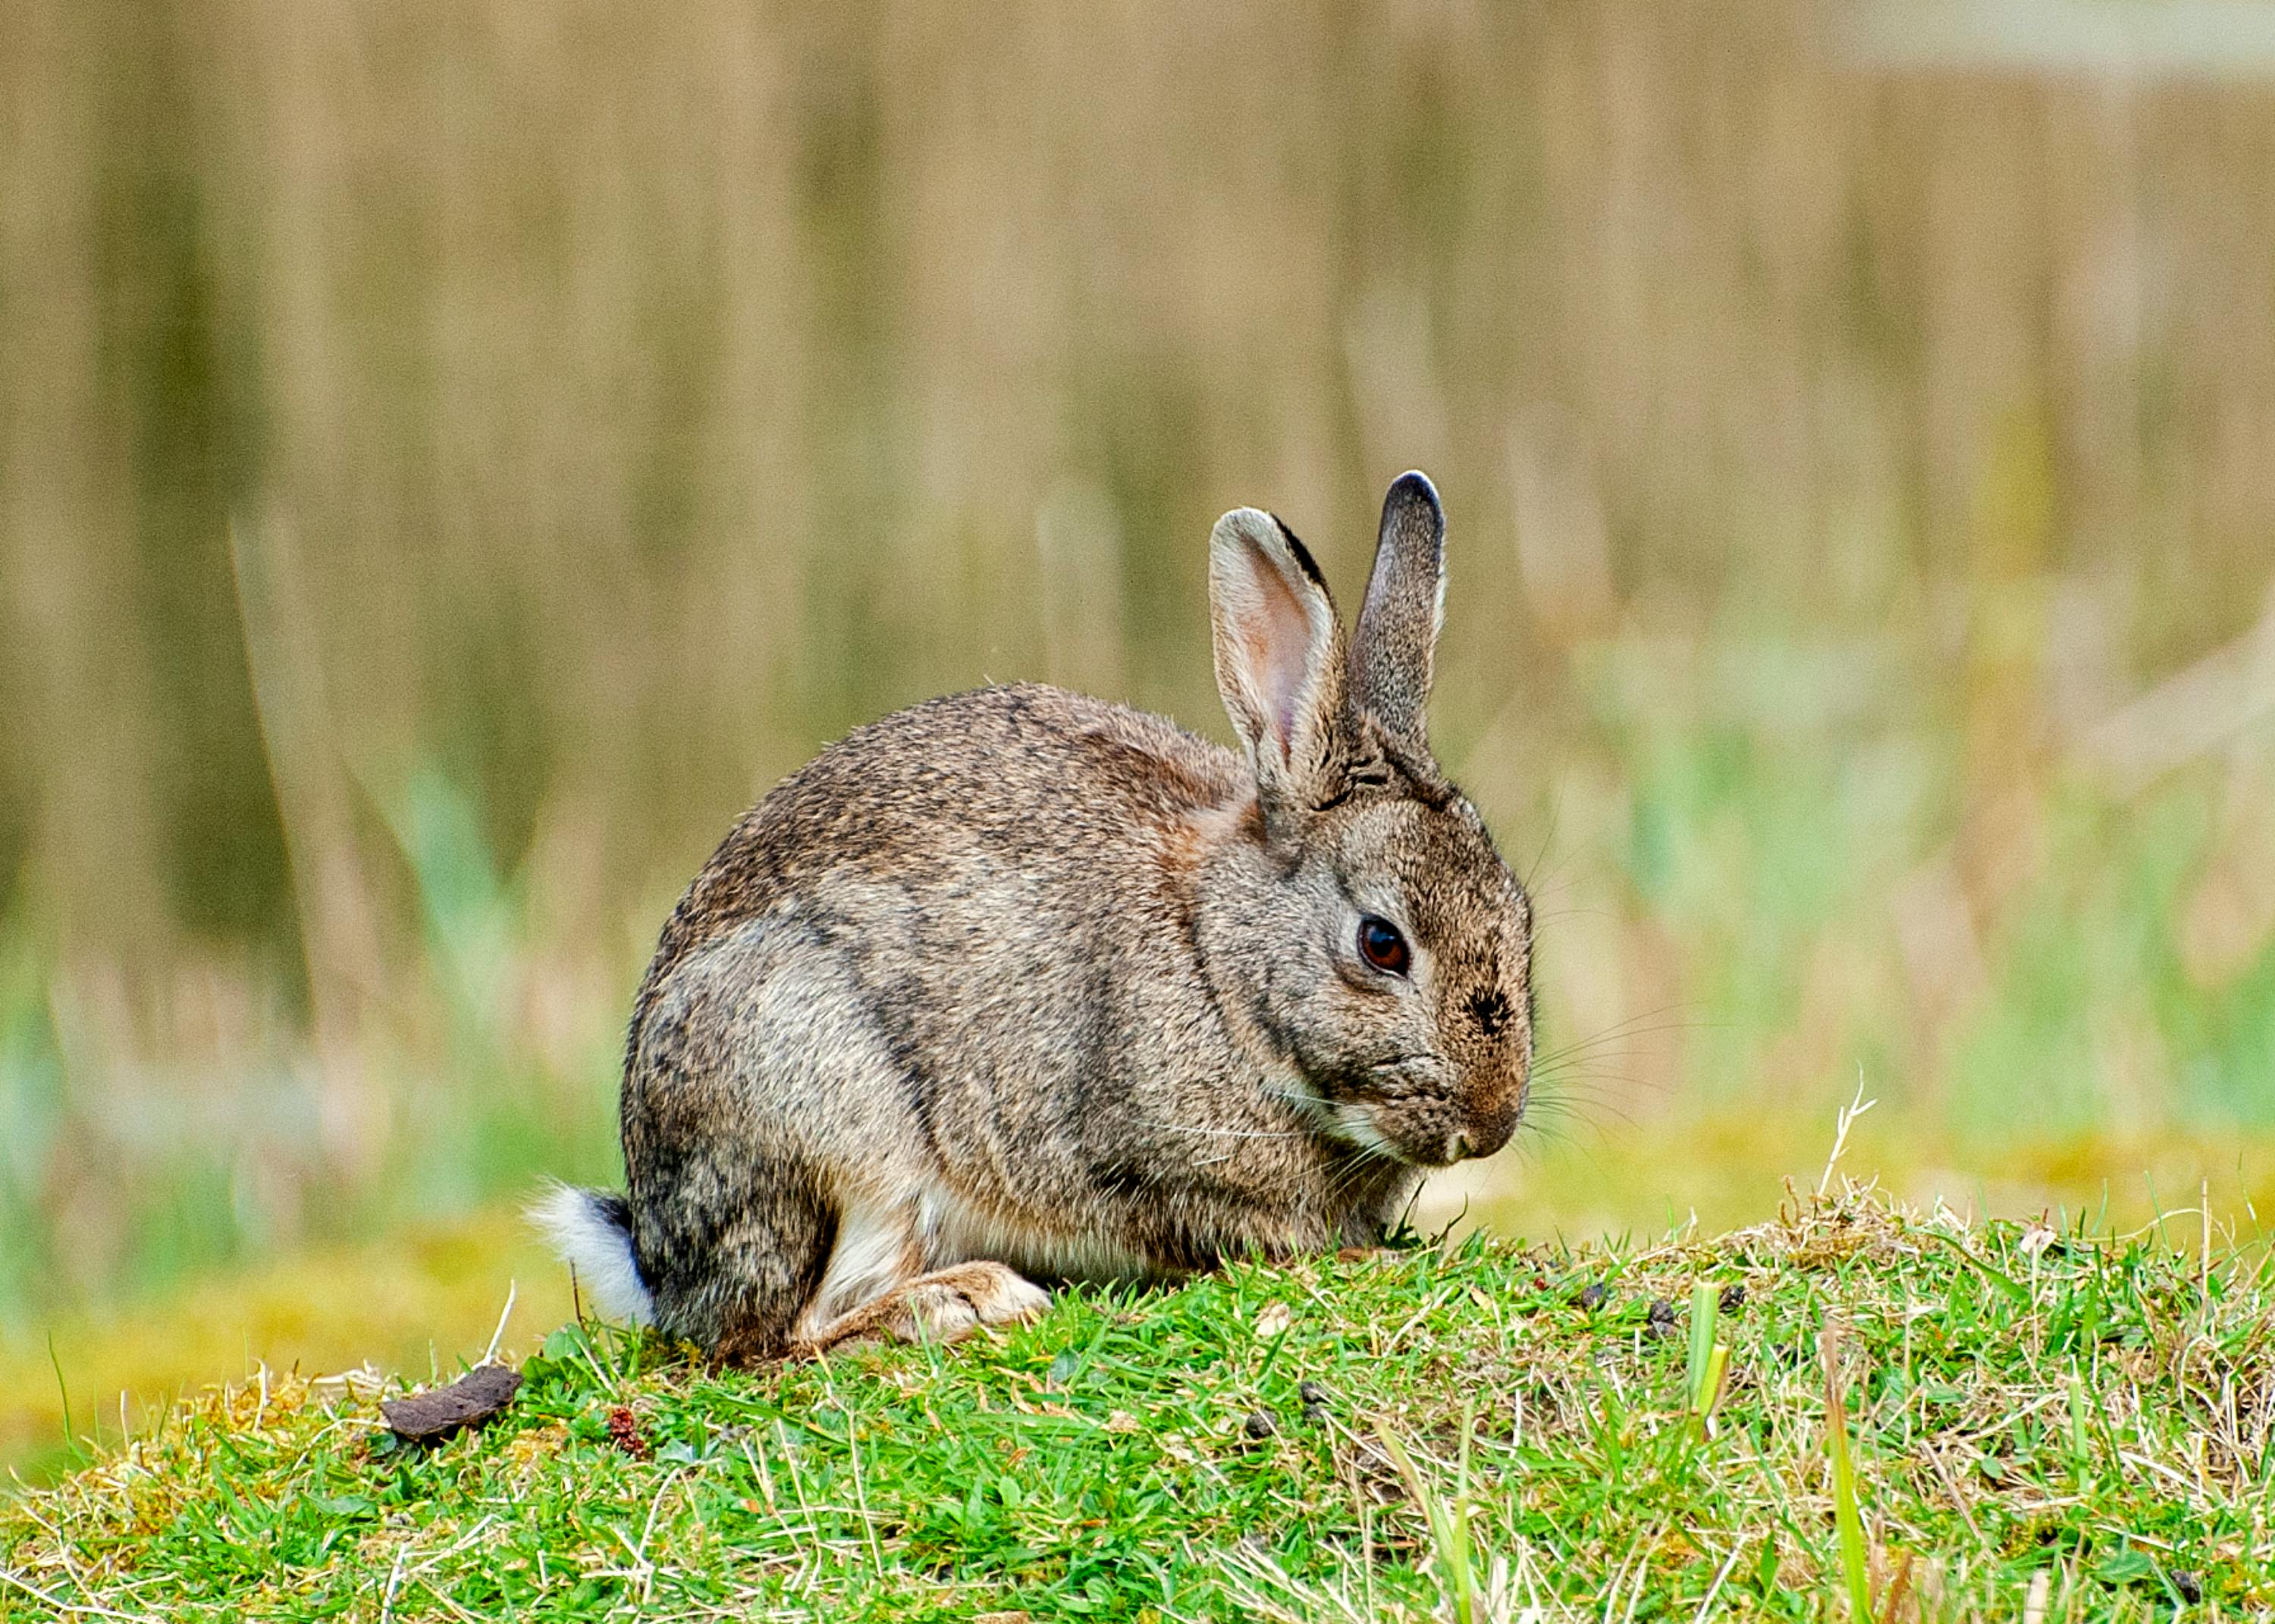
(1459, 1149)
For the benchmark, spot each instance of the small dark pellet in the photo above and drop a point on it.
(1592, 1298)
(1259, 1424)
(1662, 1317)
(1734, 1298)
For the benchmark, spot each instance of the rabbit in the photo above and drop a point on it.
(1017, 986)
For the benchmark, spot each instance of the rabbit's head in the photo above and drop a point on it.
(1381, 944)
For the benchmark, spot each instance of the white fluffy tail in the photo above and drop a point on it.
(591, 1234)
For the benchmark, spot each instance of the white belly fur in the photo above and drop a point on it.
(953, 1230)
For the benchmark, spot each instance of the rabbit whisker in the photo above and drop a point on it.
(1236, 1133)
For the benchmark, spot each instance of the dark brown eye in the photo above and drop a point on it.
(1380, 945)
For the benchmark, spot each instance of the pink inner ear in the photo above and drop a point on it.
(1280, 637)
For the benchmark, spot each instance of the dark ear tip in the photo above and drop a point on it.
(1303, 559)
(1413, 489)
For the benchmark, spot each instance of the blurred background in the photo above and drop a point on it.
(454, 455)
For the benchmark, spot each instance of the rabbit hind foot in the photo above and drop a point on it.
(942, 1306)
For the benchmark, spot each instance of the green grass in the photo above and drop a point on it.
(2030, 1424)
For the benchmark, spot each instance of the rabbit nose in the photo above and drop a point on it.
(1457, 1149)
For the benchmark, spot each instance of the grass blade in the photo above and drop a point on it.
(1848, 1519)
(1710, 1360)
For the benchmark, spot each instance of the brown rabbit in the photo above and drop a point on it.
(1020, 983)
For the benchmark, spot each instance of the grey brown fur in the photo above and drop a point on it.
(1018, 984)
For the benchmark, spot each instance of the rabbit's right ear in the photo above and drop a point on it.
(1405, 604)
(1280, 659)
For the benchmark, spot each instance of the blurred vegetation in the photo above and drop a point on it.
(454, 456)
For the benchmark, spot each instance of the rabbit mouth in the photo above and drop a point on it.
(1390, 1109)
(1357, 1124)
(1414, 1113)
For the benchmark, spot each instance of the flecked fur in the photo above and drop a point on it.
(1018, 983)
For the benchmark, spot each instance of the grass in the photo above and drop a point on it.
(2026, 1423)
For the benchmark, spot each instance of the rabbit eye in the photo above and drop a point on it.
(1380, 945)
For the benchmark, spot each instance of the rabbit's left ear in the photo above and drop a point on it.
(1396, 637)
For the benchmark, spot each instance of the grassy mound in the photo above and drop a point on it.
(2030, 1424)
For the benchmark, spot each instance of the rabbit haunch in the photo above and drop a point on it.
(1020, 983)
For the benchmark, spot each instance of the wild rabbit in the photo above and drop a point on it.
(1020, 983)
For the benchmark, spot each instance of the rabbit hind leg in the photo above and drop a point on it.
(758, 1271)
(943, 1306)
(874, 1289)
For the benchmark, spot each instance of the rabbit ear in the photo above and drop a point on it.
(1397, 633)
(1279, 656)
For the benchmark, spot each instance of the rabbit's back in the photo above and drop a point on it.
(1023, 797)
